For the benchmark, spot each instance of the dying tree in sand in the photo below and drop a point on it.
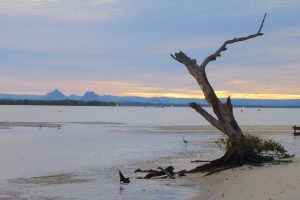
(241, 148)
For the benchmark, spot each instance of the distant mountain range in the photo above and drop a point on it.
(154, 101)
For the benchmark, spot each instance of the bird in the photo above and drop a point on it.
(123, 180)
(184, 140)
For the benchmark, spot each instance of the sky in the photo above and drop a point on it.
(122, 47)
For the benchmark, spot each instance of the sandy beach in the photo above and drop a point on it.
(270, 182)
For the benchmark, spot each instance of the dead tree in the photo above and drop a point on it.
(224, 119)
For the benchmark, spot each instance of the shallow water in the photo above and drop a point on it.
(80, 160)
(92, 154)
(143, 115)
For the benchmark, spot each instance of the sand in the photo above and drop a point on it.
(9, 125)
(258, 183)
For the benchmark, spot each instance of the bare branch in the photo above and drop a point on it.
(262, 23)
(191, 64)
(213, 121)
(214, 56)
(174, 57)
(228, 102)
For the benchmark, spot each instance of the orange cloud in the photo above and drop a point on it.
(238, 82)
(237, 95)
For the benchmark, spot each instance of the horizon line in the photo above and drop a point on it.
(220, 95)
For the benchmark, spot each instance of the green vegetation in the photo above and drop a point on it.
(66, 102)
(257, 145)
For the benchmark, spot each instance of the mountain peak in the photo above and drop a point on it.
(90, 96)
(55, 95)
(55, 91)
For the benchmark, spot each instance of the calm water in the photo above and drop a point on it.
(119, 138)
(142, 116)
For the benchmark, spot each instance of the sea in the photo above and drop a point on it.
(74, 152)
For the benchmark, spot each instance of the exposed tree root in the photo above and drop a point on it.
(216, 170)
(235, 159)
(196, 161)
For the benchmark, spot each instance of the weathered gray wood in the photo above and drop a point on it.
(167, 173)
(224, 120)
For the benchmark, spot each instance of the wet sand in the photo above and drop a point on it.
(252, 129)
(65, 178)
(249, 129)
(9, 125)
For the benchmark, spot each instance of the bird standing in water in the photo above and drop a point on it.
(184, 140)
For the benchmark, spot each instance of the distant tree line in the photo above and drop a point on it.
(66, 102)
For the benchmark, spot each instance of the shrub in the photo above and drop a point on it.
(255, 144)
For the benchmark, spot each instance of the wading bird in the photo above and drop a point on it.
(184, 140)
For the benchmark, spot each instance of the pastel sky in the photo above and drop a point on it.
(122, 47)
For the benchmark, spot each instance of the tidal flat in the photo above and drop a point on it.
(81, 158)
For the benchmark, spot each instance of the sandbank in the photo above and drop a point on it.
(11, 124)
(270, 182)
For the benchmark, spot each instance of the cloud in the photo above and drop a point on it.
(238, 82)
(272, 78)
(78, 10)
(249, 95)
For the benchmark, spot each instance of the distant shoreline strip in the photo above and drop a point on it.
(66, 102)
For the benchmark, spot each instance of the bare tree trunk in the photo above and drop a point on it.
(225, 120)
(237, 155)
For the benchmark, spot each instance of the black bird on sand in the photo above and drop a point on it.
(123, 180)
(184, 140)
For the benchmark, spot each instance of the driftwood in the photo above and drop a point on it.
(145, 171)
(181, 173)
(169, 173)
(161, 173)
(169, 170)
